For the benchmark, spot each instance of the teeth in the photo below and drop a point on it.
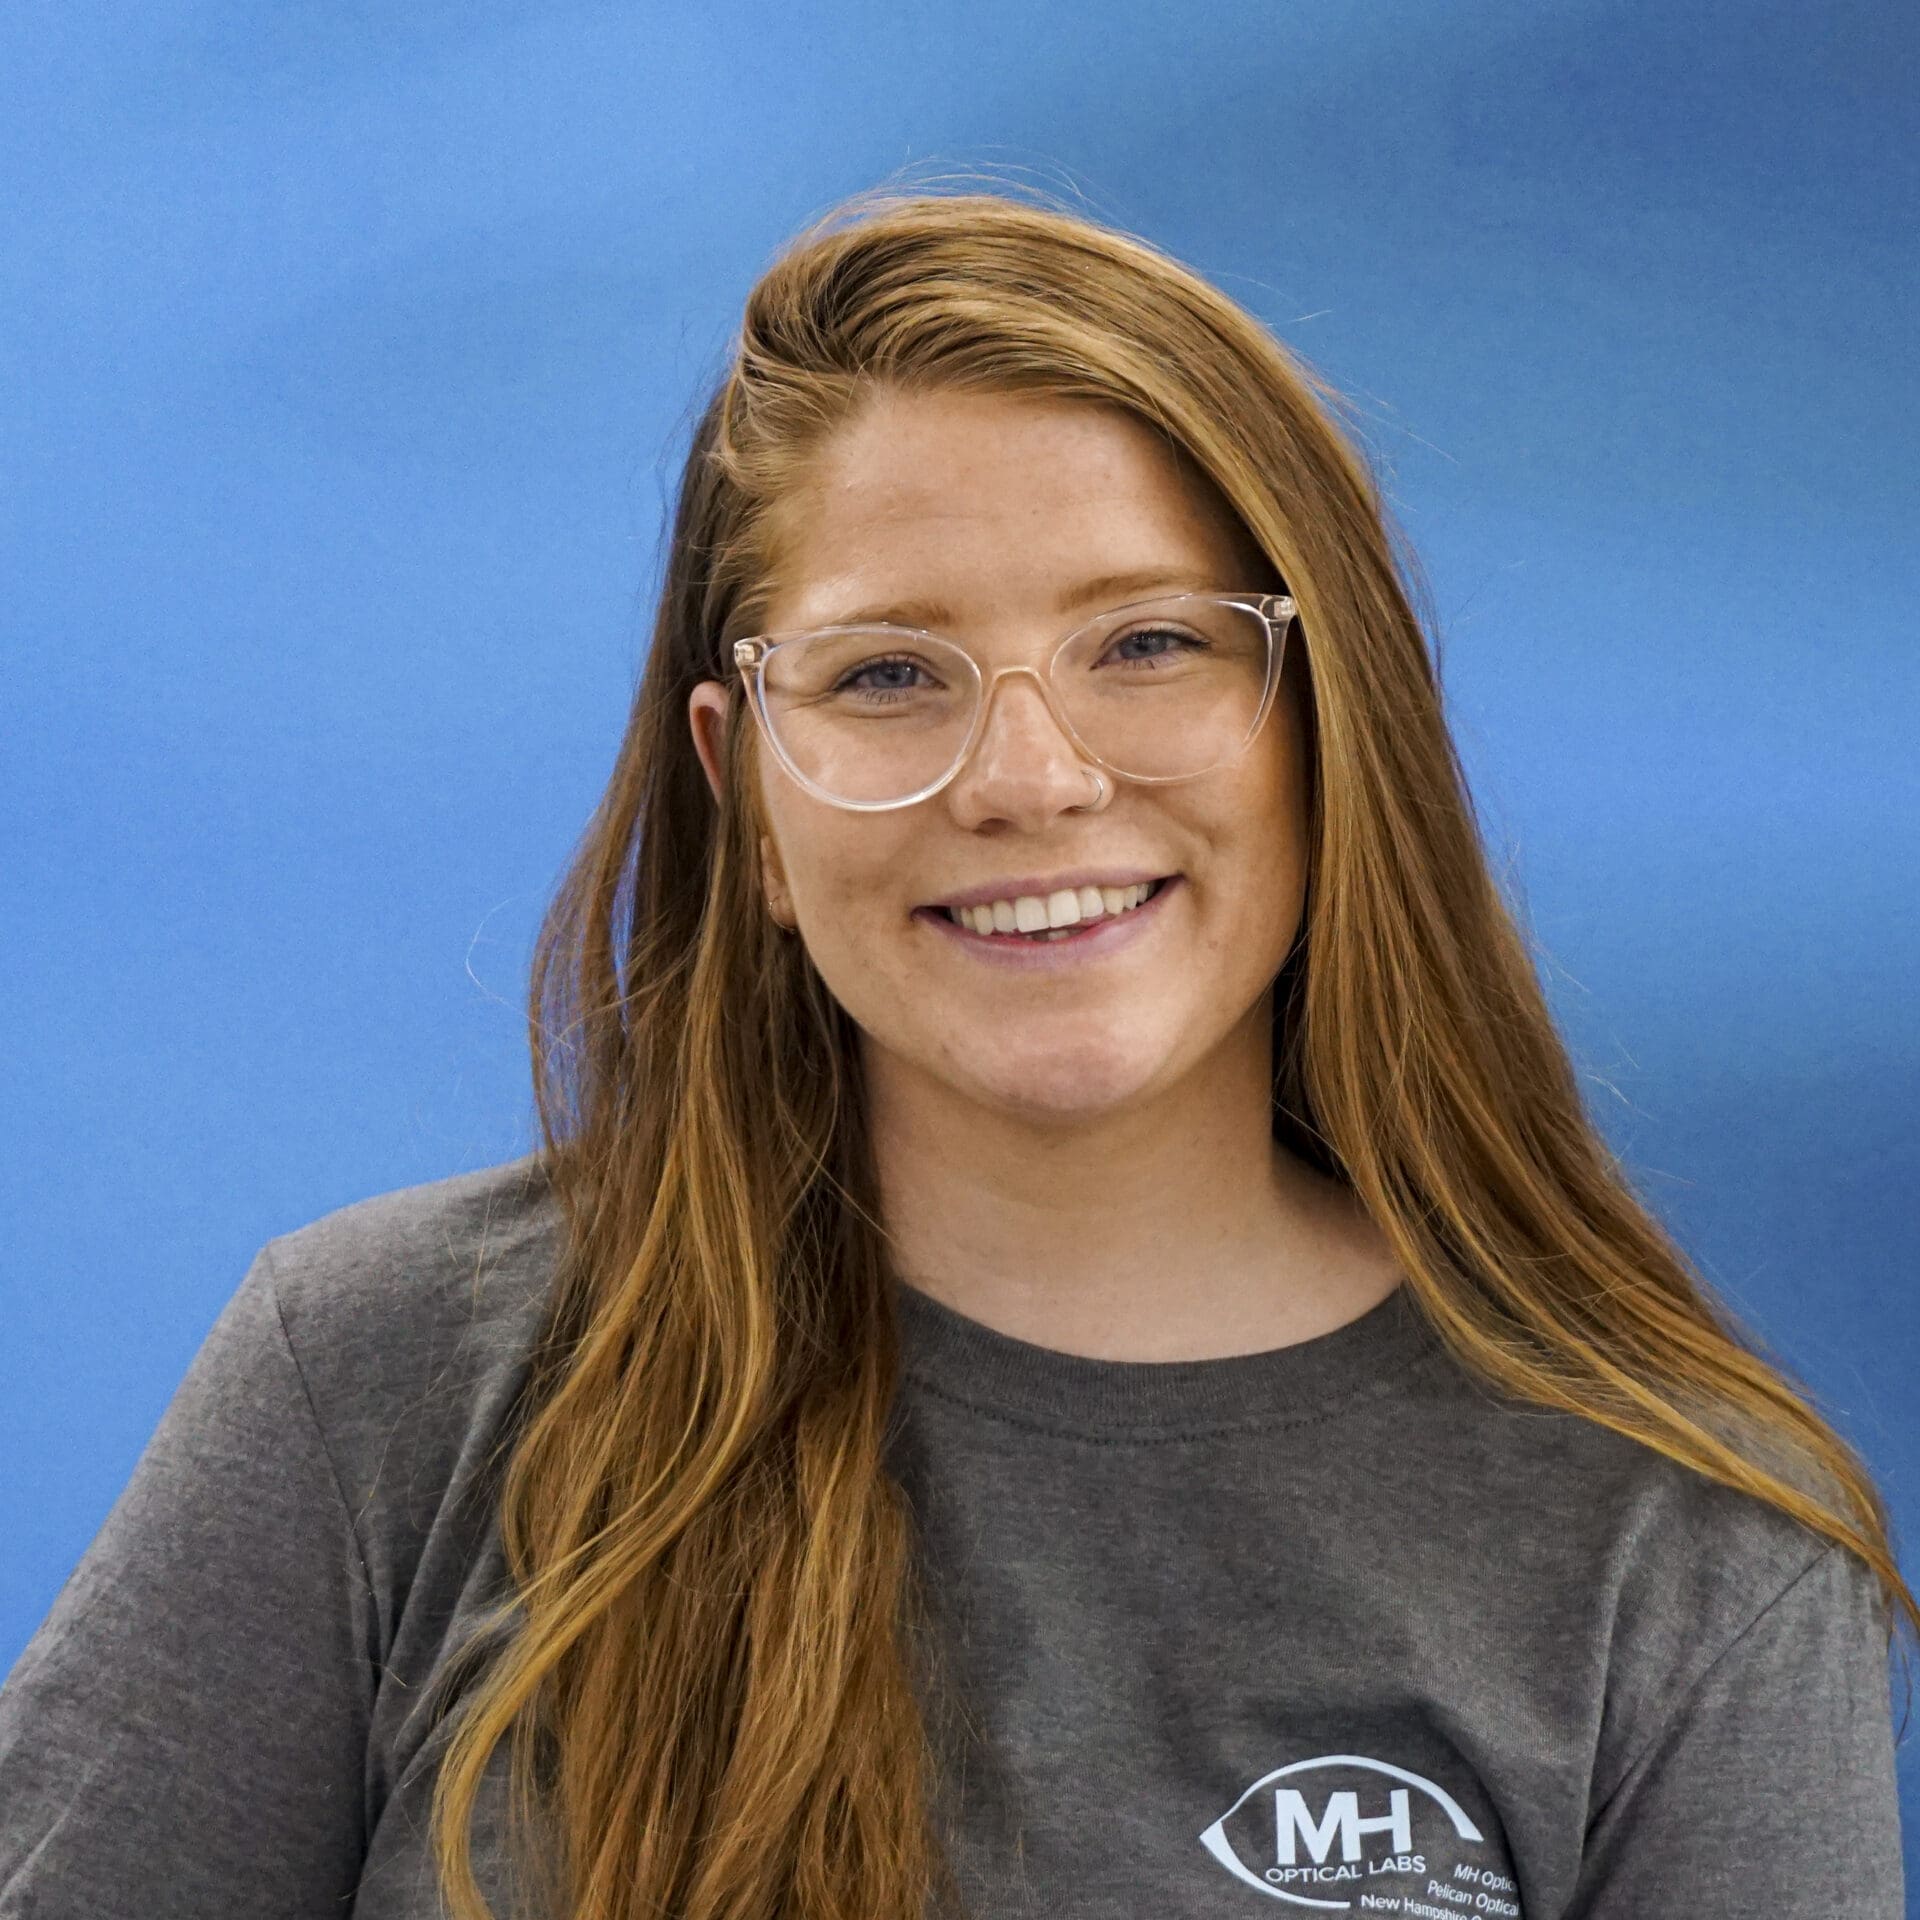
(1030, 913)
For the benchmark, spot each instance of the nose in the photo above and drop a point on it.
(1024, 765)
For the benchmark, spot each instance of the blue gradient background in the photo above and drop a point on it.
(346, 354)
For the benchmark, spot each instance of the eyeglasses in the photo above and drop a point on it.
(872, 717)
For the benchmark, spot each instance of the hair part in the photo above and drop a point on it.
(715, 1680)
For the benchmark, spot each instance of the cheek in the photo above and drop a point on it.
(1262, 868)
(824, 858)
(860, 939)
(1280, 798)
(1264, 889)
(847, 875)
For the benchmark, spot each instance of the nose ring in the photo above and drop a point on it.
(1100, 785)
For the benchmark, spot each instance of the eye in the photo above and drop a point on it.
(901, 667)
(1178, 640)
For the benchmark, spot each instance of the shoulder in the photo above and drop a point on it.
(411, 1317)
(1650, 1554)
(1556, 1474)
(457, 1259)
(1649, 1564)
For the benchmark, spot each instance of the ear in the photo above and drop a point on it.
(707, 717)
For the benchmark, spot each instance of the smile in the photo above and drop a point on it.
(1034, 937)
(1029, 916)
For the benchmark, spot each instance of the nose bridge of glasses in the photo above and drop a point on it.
(1044, 696)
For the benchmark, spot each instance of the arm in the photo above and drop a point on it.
(1770, 1788)
(186, 1733)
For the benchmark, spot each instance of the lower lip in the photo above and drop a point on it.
(1108, 934)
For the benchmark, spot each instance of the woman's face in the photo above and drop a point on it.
(988, 516)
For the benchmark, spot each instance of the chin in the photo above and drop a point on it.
(1076, 1082)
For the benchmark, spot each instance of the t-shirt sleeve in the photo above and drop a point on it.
(1770, 1788)
(186, 1733)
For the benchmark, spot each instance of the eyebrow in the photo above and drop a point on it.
(1115, 589)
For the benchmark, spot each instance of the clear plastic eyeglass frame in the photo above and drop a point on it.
(750, 656)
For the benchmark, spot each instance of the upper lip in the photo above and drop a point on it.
(1045, 884)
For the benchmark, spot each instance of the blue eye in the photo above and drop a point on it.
(1182, 640)
(897, 663)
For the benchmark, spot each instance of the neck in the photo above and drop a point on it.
(1175, 1228)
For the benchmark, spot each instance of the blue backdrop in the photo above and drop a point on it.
(346, 349)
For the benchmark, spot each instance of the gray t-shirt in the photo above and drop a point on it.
(1330, 1627)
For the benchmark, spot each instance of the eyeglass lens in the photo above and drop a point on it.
(1159, 691)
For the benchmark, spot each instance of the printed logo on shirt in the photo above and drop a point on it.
(1344, 1831)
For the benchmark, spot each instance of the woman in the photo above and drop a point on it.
(1070, 1347)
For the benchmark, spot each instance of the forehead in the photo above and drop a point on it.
(975, 506)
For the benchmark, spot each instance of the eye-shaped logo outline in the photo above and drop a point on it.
(1215, 1838)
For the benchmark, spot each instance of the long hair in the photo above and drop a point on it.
(718, 1692)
